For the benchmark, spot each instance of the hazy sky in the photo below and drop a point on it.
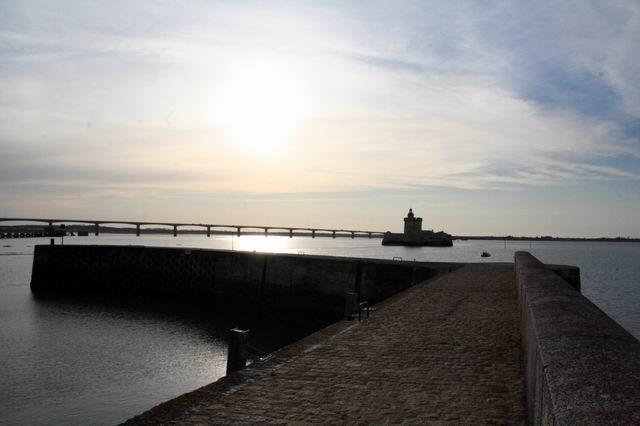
(485, 117)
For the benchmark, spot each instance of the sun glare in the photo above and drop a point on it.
(260, 243)
(259, 108)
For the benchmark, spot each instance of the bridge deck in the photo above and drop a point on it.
(443, 351)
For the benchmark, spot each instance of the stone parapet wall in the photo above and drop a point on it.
(581, 367)
(266, 284)
(571, 274)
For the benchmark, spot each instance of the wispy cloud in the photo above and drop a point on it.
(463, 95)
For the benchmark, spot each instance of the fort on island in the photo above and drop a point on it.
(414, 235)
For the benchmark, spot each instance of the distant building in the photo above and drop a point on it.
(414, 235)
(412, 226)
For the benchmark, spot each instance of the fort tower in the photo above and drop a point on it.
(412, 226)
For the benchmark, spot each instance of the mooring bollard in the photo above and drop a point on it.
(350, 305)
(238, 346)
(363, 306)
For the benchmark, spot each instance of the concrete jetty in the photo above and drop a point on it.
(445, 343)
(447, 350)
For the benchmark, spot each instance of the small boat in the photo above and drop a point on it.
(485, 254)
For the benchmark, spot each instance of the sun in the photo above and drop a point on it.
(259, 107)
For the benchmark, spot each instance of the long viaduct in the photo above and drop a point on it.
(208, 226)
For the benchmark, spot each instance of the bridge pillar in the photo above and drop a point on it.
(238, 228)
(313, 233)
(353, 235)
(290, 233)
(137, 229)
(208, 231)
(175, 230)
(333, 234)
(97, 229)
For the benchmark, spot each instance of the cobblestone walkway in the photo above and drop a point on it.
(443, 352)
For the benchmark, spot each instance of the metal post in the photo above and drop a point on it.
(290, 233)
(137, 229)
(266, 231)
(62, 227)
(313, 233)
(208, 231)
(175, 230)
(238, 228)
(52, 242)
(353, 235)
(369, 235)
(237, 354)
(361, 306)
(333, 234)
(97, 229)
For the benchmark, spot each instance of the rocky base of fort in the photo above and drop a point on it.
(427, 239)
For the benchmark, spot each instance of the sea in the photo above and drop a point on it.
(74, 361)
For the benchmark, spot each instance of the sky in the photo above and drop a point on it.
(487, 118)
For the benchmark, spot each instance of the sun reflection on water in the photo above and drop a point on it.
(260, 243)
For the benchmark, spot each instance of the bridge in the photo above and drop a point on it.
(208, 226)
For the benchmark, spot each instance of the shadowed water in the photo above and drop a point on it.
(100, 362)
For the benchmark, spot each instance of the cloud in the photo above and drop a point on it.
(573, 54)
(404, 96)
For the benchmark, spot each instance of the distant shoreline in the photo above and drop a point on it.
(547, 238)
(160, 231)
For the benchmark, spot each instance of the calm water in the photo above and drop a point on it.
(79, 362)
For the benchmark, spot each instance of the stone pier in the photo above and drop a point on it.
(489, 343)
(446, 350)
